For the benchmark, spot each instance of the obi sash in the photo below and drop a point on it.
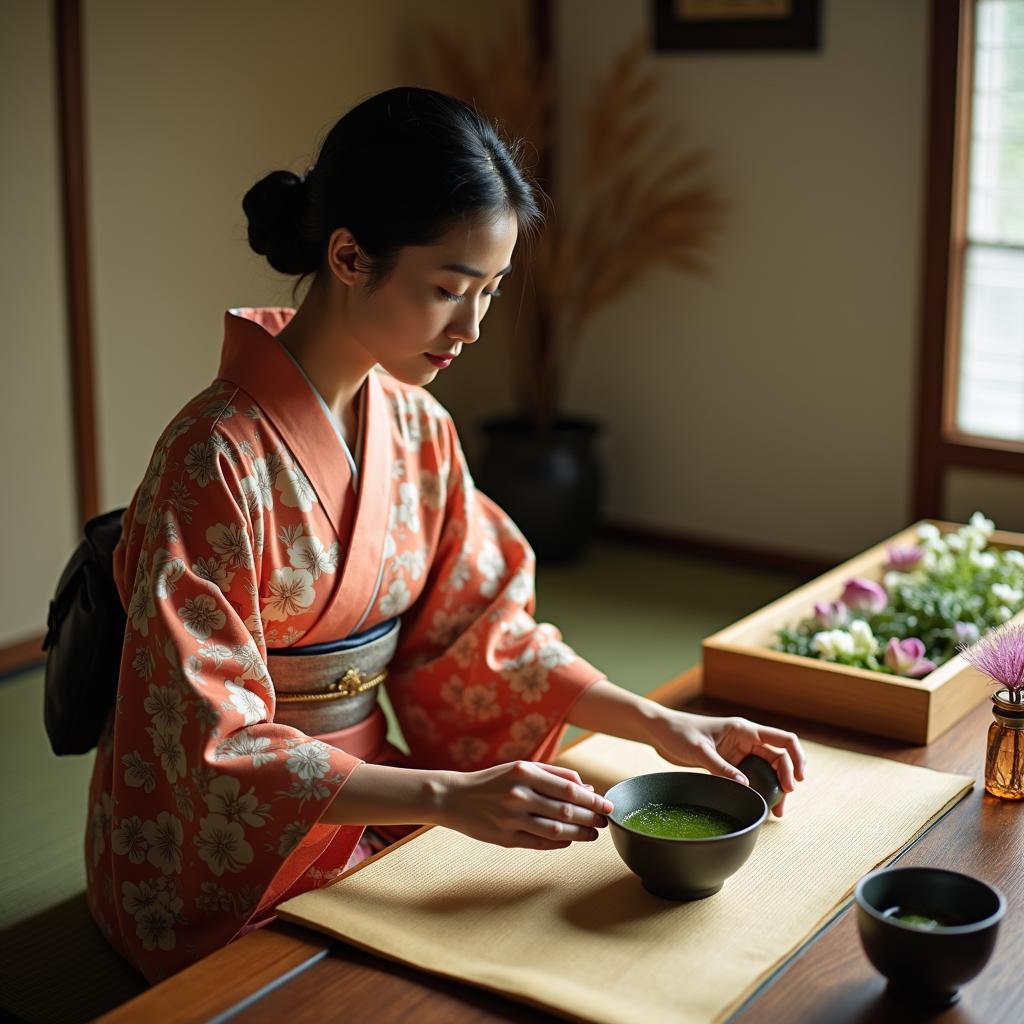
(327, 687)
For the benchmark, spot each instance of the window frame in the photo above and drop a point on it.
(940, 445)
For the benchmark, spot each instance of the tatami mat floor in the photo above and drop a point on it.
(638, 615)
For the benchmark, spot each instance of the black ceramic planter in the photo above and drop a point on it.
(549, 481)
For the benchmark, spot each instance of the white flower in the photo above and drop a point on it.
(554, 654)
(165, 707)
(296, 490)
(244, 744)
(527, 677)
(309, 553)
(309, 761)
(406, 512)
(201, 462)
(984, 560)
(153, 927)
(519, 588)
(291, 591)
(1014, 558)
(864, 642)
(982, 525)
(928, 532)
(248, 704)
(138, 773)
(167, 571)
(258, 486)
(129, 839)
(396, 600)
(414, 562)
(225, 797)
(1004, 614)
(480, 702)
(831, 643)
(214, 571)
(221, 843)
(1006, 594)
(165, 837)
(231, 542)
(460, 574)
(141, 607)
(491, 565)
(167, 746)
(201, 616)
(955, 542)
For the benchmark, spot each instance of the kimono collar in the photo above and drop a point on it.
(253, 360)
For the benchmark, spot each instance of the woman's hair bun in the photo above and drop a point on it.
(275, 206)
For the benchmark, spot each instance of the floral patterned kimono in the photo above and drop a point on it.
(255, 528)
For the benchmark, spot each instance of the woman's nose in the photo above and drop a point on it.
(465, 329)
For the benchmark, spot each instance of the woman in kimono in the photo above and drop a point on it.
(308, 504)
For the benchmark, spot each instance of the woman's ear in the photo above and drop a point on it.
(342, 255)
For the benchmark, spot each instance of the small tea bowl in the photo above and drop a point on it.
(926, 962)
(685, 869)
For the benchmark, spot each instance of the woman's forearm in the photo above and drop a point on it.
(605, 707)
(381, 794)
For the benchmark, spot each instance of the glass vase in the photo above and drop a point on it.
(1004, 757)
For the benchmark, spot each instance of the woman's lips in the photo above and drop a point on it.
(440, 361)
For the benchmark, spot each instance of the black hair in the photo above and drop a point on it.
(401, 168)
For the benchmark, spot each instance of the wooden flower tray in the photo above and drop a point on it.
(740, 667)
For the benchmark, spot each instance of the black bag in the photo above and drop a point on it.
(84, 637)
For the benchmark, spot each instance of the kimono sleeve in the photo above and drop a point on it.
(215, 807)
(476, 680)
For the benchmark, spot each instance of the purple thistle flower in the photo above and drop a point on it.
(861, 595)
(1000, 656)
(905, 559)
(906, 658)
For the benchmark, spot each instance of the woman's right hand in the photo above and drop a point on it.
(524, 804)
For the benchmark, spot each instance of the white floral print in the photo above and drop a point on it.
(248, 704)
(222, 844)
(201, 616)
(291, 592)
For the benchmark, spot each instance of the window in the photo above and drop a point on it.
(971, 356)
(988, 398)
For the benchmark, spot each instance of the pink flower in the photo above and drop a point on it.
(831, 614)
(861, 595)
(906, 658)
(1000, 656)
(905, 559)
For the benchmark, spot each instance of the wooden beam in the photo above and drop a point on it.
(76, 251)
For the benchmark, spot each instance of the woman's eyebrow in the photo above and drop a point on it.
(461, 268)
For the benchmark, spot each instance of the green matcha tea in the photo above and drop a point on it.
(915, 920)
(680, 821)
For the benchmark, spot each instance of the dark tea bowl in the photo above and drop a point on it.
(685, 869)
(927, 966)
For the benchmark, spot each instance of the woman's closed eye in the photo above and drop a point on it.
(456, 297)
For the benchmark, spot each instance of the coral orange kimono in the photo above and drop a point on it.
(255, 527)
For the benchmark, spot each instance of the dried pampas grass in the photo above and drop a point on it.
(633, 202)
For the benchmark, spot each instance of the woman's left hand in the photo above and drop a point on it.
(719, 744)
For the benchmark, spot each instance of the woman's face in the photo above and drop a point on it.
(432, 303)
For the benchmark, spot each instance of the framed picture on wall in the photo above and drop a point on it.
(736, 24)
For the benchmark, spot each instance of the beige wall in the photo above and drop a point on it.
(39, 514)
(771, 405)
(189, 103)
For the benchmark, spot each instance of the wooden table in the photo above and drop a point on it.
(285, 972)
